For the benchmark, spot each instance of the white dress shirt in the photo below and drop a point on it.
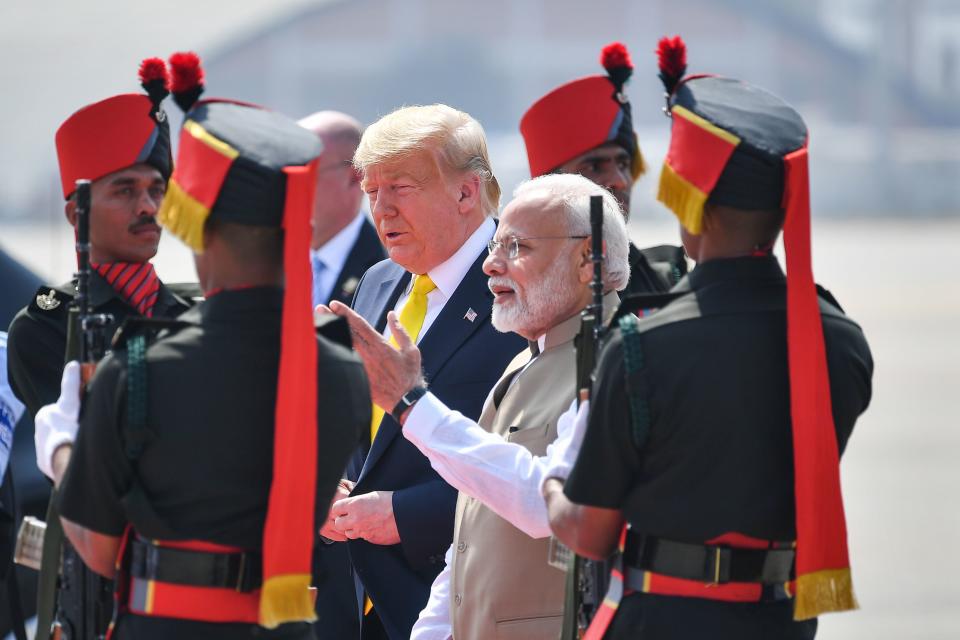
(448, 276)
(333, 254)
(502, 475)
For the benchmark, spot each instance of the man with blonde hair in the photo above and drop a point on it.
(433, 195)
(540, 272)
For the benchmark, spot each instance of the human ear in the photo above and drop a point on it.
(469, 195)
(585, 265)
(70, 211)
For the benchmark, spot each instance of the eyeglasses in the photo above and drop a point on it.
(512, 244)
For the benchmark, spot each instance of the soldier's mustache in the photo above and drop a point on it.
(147, 221)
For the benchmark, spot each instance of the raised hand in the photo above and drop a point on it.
(392, 371)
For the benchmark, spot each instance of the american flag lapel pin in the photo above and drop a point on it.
(470, 315)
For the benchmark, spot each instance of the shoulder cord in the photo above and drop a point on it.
(633, 363)
(136, 424)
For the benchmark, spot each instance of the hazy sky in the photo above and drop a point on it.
(61, 54)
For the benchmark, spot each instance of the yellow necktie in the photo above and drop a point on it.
(411, 319)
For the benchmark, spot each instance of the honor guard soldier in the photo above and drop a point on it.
(585, 126)
(206, 460)
(717, 422)
(121, 144)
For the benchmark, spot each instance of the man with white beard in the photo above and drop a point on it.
(540, 272)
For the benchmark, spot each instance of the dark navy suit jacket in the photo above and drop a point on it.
(336, 593)
(462, 359)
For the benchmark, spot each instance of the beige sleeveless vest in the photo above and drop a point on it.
(501, 585)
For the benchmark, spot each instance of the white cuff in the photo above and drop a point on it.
(427, 413)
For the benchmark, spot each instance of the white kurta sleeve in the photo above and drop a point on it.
(504, 476)
(434, 621)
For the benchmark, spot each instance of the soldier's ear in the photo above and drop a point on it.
(709, 218)
(70, 211)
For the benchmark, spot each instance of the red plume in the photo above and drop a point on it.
(187, 72)
(616, 60)
(154, 69)
(614, 56)
(672, 58)
(187, 78)
(155, 80)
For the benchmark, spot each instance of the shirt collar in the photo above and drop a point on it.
(335, 251)
(447, 275)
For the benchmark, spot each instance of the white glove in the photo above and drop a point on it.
(567, 446)
(57, 424)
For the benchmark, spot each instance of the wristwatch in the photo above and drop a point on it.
(407, 400)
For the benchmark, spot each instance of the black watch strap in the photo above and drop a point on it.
(408, 400)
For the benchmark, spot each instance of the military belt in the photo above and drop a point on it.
(241, 571)
(710, 564)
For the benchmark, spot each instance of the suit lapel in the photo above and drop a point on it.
(463, 314)
(391, 288)
(450, 330)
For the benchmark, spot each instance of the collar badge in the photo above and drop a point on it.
(48, 301)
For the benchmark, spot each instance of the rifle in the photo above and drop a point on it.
(93, 326)
(74, 603)
(591, 319)
(587, 580)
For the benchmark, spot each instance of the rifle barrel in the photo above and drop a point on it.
(596, 235)
(83, 263)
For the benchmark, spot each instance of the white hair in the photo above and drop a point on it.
(457, 137)
(574, 191)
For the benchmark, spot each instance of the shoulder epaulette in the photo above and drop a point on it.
(189, 292)
(149, 327)
(826, 295)
(640, 302)
(669, 261)
(49, 299)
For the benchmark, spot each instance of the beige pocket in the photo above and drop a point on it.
(542, 628)
(535, 439)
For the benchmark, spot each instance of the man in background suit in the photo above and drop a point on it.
(432, 195)
(344, 243)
